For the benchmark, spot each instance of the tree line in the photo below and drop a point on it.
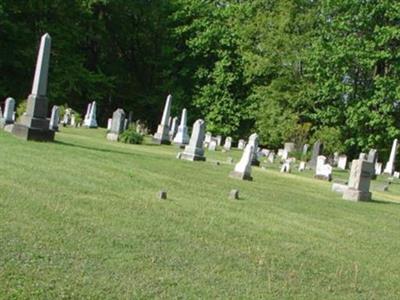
(292, 70)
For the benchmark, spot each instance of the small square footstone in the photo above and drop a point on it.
(234, 194)
(162, 195)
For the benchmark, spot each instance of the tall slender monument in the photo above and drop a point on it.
(34, 125)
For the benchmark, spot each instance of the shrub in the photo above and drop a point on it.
(130, 136)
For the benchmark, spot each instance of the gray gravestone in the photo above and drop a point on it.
(55, 118)
(243, 167)
(117, 125)
(317, 149)
(162, 134)
(228, 143)
(174, 128)
(194, 151)
(253, 141)
(359, 181)
(34, 124)
(9, 107)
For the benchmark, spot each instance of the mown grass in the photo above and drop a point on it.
(80, 218)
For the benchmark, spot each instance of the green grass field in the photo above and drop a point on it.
(80, 218)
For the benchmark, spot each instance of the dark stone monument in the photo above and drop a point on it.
(34, 125)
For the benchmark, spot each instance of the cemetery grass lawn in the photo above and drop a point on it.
(79, 218)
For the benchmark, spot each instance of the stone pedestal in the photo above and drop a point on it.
(359, 181)
(162, 135)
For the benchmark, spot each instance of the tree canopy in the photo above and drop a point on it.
(292, 70)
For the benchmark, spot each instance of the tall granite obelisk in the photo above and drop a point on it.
(162, 134)
(34, 125)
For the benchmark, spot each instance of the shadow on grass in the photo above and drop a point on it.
(96, 149)
(382, 202)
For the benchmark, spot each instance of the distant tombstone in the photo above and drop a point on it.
(219, 140)
(389, 169)
(323, 170)
(14, 116)
(117, 125)
(228, 143)
(182, 136)
(73, 120)
(289, 147)
(305, 149)
(126, 124)
(359, 181)
(373, 158)
(208, 138)
(302, 166)
(194, 151)
(109, 122)
(91, 122)
(130, 117)
(335, 158)
(243, 167)
(265, 152)
(174, 128)
(280, 152)
(241, 144)
(162, 134)
(396, 175)
(34, 124)
(1, 113)
(212, 146)
(284, 155)
(286, 167)
(362, 156)
(8, 111)
(378, 168)
(55, 118)
(253, 141)
(271, 157)
(317, 149)
(86, 119)
(342, 162)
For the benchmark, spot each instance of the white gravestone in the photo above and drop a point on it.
(323, 170)
(389, 169)
(243, 167)
(228, 143)
(55, 118)
(241, 144)
(117, 125)
(342, 162)
(162, 134)
(182, 137)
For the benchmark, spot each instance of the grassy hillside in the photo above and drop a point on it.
(79, 218)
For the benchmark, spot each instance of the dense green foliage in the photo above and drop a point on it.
(286, 69)
(130, 136)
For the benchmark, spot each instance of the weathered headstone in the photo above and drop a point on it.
(317, 149)
(34, 125)
(194, 151)
(286, 166)
(359, 181)
(73, 120)
(243, 167)
(174, 128)
(109, 123)
(335, 158)
(86, 119)
(130, 118)
(207, 138)
(373, 158)
(271, 157)
(213, 145)
(117, 125)
(288, 147)
(284, 155)
(55, 118)
(162, 134)
(305, 149)
(302, 166)
(228, 143)
(323, 170)
(241, 144)
(91, 121)
(253, 141)
(219, 140)
(8, 112)
(378, 168)
(389, 169)
(234, 194)
(342, 162)
(182, 137)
